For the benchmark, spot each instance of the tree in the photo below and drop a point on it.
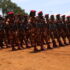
(7, 6)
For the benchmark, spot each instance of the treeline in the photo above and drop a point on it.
(8, 5)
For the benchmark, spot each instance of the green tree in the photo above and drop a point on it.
(7, 6)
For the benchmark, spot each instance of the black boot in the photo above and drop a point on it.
(65, 42)
(13, 48)
(22, 46)
(69, 40)
(19, 47)
(42, 48)
(1, 47)
(27, 46)
(60, 44)
(54, 44)
(35, 49)
(48, 47)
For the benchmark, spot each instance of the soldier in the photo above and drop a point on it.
(68, 27)
(1, 32)
(11, 31)
(53, 30)
(59, 29)
(65, 29)
(47, 29)
(7, 20)
(40, 24)
(27, 28)
(19, 31)
(33, 31)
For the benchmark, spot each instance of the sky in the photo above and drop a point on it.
(47, 6)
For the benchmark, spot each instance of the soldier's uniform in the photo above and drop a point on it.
(1, 32)
(33, 31)
(27, 29)
(65, 29)
(12, 35)
(40, 28)
(59, 28)
(68, 27)
(53, 30)
(21, 32)
(11, 28)
(47, 29)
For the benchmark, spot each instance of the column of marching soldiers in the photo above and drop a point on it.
(34, 31)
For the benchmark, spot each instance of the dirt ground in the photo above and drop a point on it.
(56, 59)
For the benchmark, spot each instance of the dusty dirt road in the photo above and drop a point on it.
(56, 59)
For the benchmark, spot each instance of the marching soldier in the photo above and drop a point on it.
(18, 29)
(1, 32)
(33, 31)
(11, 31)
(65, 29)
(68, 27)
(53, 30)
(60, 31)
(27, 30)
(47, 37)
(40, 24)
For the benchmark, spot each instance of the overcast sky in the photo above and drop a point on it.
(47, 6)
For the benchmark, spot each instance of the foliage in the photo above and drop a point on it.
(8, 5)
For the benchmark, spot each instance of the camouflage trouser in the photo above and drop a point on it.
(53, 31)
(68, 30)
(12, 38)
(33, 36)
(1, 38)
(1, 42)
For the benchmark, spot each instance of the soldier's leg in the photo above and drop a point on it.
(53, 39)
(7, 42)
(21, 43)
(68, 36)
(19, 46)
(41, 42)
(27, 44)
(69, 40)
(60, 42)
(59, 38)
(12, 40)
(27, 38)
(42, 47)
(63, 35)
(6, 39)
(35, 47)
(48, 37)
(48, 42)
(64, 39)
(34, 44)
(12, 45)
(1, 44)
